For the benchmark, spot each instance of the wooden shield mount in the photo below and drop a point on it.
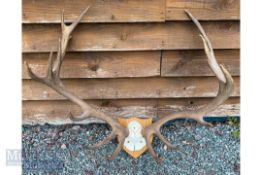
(135, 143)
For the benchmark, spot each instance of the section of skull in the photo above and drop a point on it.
(135, 141)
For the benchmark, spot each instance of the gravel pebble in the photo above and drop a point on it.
(76, 127)
(201, 150)
(63, 146)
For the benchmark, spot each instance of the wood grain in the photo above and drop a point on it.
(120, 50)
(194, 63)
(49, 11)
(98, 64)
(55, 112)
(203, 10)
(118, 37)
(129, 88)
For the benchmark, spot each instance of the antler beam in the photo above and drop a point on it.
(225, 89)
(53, 80)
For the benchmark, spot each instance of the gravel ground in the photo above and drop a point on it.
(63, 149)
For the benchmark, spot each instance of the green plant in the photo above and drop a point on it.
(234, 121)
(236, 134)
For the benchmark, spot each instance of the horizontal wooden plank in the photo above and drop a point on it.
(203, 10)
(194, 62)
(117, 37)
(99, 64)
(55, 112)
(129, 88)
(49, 11)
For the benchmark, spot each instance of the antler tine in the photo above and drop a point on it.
(208, 49)
(74, 24)
(103, 142)
(66, 36)
(118, 148)
(225, 89)
(50, 65)
(53, 80)
(149, 133)
(164, 140)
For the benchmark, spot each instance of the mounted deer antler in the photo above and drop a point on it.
(52, 80)
(127, 133)
(225, 89)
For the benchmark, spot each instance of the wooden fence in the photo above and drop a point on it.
(130, 58)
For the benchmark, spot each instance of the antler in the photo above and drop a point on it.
(225, 89)
(53, 80)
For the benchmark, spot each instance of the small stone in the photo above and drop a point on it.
(197, 137)
(63, 146)
(76, 127)
(237, 167)
(165, 147)
(35, 144)
(37, 129)
(188, 128)
(87, 132)
(186, 142)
